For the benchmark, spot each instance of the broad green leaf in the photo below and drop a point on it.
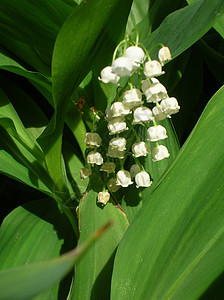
(36, 24)
(95, 283)
(174, 248)
(184, 27)
(28, 231)
(40, 269)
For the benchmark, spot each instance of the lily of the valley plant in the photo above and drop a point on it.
(111, 149)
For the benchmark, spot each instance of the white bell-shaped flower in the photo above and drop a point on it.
(109, 115)
(113, 185)
(122, 66)
(136, 54)
(160, 152)
(142, 114)
(170, 106)
(115, 152)
(155, 92)
(142, 179)
(147, 83)
(156, 133)
(135, 169)
(164, 55)
(103, 197)
(85, 172)
(117, 125)
(107, 76)
(92, 140)
(123, 178)
(132, 98)
(158, 113)
(118, 143)
(140, 149)
(153, 68)
(95, 158)
(119, 109)
(108, 167)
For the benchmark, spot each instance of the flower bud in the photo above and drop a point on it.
(155, 92)
(142, 179)
(115, 152)
(156, 133)
(117, 125)
(103, 197)
(118, 143)
(132, 98)
(142, 114)
(122, 66)
(123, 178)
(164, 55)
(112, 185)
(119, 109)
(107, 76)
(158, 113)
(140, 149)
(160, 152)
(136, 54)
(95, 158)
(135, 169)
(170, 106)
(153, 69)
(108, 167)
(92, 140)
(85, 172)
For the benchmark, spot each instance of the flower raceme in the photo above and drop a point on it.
(140, 99)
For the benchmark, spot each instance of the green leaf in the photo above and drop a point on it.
(25, 235)
(99, 260)
(174, 248)
(184, 27)
(36, 269)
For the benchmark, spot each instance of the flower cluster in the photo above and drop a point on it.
(138, 102)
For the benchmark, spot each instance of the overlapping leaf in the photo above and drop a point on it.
(178, 235)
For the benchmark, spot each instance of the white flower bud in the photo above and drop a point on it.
(136, 54)
(164, 55)
(112, 185)
(108, 167)
(115, 152)
(158, 113)
(123, 178)
(109, 116)
(119, 109)
(155, 92)
(132, 98)
(95, 158)
(107, 76)
(170, 106)
(85, 172)
(103, 197)
(142, 114)
(135, 169)
(92, 140)
(160, 152)
(156, 133)
(117, 125)
(142, 179)
(122, 66)
(153, 69)
(118, 143)
(140, 149)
